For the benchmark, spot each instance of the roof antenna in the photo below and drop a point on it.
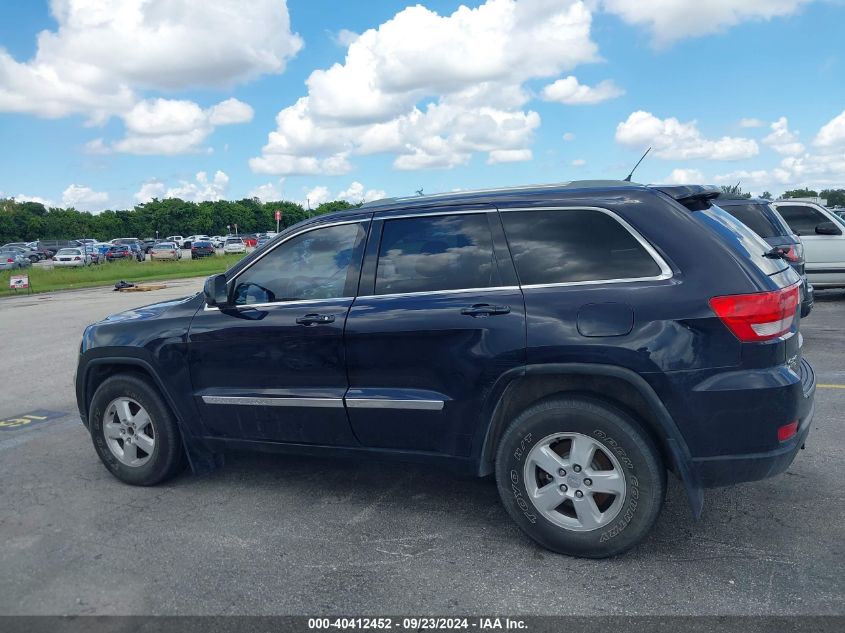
(628, 177)
(419, 192)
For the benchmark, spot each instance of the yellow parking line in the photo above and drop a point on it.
(831, 386)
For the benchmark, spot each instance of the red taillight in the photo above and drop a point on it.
(10, 261)
(787, 431)
(760, 316)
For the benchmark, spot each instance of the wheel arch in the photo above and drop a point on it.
(619, 386)
(201, 457)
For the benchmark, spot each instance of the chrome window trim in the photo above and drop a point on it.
(385, 403)
(665, 270)
(332, 403)
(423, 293)
(275, 304)
(386, 217)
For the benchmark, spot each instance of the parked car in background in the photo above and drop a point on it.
(92, 253)
(102, 248)
(759, 216)
(147, 244)
(137, 251)
(218, 241)
(38, 248)
(176, 239)
(166, 250)
(56, 245)
(579, 341)
(202, 248)
(262, 240)
(189, 241)
(249, 239)
(234, 245)
(120, 251)
(823, 235)
(73, 257)
(13, 260)
(23, 250)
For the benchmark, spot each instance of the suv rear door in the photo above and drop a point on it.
(271, 368)
(439, 318)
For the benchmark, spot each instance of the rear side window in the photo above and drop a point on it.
(430, 253)
(574, 245)
(740, 238)
(803, 220)
(759, 218)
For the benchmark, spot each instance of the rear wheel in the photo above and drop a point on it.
(580, 477)
(134, 432)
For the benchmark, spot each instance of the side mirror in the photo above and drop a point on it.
(216, 291)
(828, 228)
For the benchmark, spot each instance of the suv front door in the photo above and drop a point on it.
(271, 367)
(439, 318)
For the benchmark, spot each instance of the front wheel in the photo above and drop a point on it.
(134, 432)
(580, 477)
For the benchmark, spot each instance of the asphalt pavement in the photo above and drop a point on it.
(271, 534)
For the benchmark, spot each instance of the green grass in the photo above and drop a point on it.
(48, 279)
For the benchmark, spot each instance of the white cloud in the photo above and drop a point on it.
(508, 156)
(570, 92)
(172, 126)
(198, 190)
(782, 140)
(21, 197)
(84, 198)
(568, 137)
(268, 192)
(673, 139)
(832, 134)
(317, 196)
(750, 122)
(684, 177)
(104, 53)
(230, 111)
(672, 20)
(356, 193)
(149, 190)
(578, 162)
(431, 89)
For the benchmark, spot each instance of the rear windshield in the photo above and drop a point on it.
(759, 218)
(740, 238)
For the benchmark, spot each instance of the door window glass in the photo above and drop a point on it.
(319, 264)
(802, 220)
(437, 252)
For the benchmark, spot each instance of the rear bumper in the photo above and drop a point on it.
(723, 470)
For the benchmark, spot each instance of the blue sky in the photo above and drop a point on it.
(115, 104)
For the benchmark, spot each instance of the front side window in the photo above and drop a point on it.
(801, 219)
(574, 245)
(317, 264)
(438, 252)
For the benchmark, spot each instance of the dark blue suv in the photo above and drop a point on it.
(579, 341)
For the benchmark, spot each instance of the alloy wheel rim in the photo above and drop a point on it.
(574, 481)
(129, 432)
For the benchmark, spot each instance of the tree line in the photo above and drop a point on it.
(29, 221)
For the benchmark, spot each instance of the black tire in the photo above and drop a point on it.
(617, 433)
(167, 455)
